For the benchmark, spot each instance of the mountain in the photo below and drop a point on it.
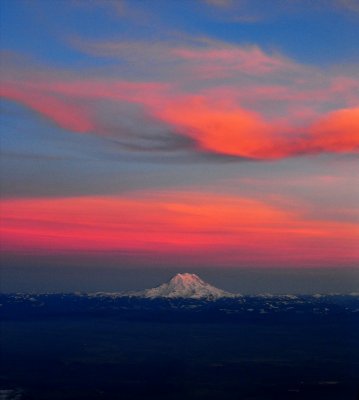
(185, 285)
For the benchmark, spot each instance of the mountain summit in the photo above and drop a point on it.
(189, 286)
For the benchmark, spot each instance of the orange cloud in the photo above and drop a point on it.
(224, 128)
(337, 132)
(214, 118)
(221, 129)
(207, 225)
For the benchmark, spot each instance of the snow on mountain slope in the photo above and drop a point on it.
(186, 285)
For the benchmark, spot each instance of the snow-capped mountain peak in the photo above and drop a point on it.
(188, 286)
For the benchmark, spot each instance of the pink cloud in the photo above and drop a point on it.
(219, 3)
(296, 111)
(60, 111)
(216, 124)
(220, 61)
(69, 104)
(177, 222)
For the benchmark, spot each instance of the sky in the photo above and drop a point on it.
(144, 138)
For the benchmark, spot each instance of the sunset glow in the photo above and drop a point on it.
(154, 134)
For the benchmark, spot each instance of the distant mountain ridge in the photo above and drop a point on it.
(187, 286)
(187, 297)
